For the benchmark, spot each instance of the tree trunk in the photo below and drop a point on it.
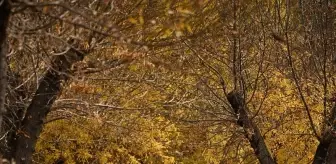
(326, 152)
(331, 156)
(251, 130)
(48, 89)
(4, 17)
(321, 153)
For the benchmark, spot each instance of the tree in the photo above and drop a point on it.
(54, 24)
(211, 81)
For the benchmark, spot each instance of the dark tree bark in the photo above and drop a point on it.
(331, 156)
(251, 130)
(4, 17)
(321, 153)
(46, 94)
(326, 152)
(48, 89)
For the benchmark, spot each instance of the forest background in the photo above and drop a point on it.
(167, 81)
